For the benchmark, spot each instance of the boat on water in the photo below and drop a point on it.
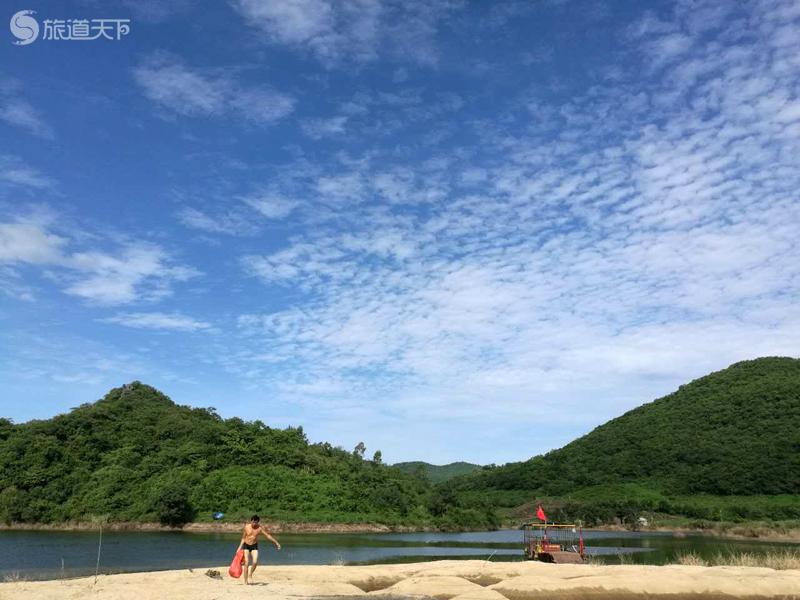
(554, 543)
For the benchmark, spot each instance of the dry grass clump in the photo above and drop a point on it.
(774, 559)
(691, 559)
(593, 559)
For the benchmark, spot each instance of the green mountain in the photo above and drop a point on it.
(137, 456)
(735, 432)
(436, 473)
(723, 447)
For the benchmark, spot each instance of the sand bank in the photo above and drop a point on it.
(443, 580)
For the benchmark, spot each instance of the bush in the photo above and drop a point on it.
(170, 503)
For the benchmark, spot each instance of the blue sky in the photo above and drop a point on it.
(451, 230)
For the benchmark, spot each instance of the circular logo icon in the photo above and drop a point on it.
(24, 27)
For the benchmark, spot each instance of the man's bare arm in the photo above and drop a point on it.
(270, 538)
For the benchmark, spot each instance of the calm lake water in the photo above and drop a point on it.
(49, 555)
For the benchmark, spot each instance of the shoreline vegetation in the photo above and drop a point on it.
(210, 527)
(735, 531)
(456, 580)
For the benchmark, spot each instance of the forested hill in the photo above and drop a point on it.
(437, 473)
(137, 456)
(736, 431)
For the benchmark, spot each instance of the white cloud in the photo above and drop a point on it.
(16, 172)
(240, 215)
(174, 86)
(137, 272)
(382, 114)
(29, 243)
(639, 235)
(350, 30)
(293, 22)
(262, 106)
(191, 217)
(171, 84)
(158, 320)
(18, 112)
(667, 48)
(320, 128)
(270, 206)
(13, 285)
(341, 187)
(537, 256)
(231, 222)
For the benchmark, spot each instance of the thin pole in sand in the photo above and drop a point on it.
(99, 547)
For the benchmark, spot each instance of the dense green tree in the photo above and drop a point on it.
(137, 456)
(170, 503)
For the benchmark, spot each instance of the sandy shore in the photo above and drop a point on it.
(443, 580)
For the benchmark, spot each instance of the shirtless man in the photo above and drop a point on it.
(249, 544)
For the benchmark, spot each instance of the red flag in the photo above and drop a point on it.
(540, 514)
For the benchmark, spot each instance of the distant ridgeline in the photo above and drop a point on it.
(723, 447)
(436, 473)
(137, 456)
